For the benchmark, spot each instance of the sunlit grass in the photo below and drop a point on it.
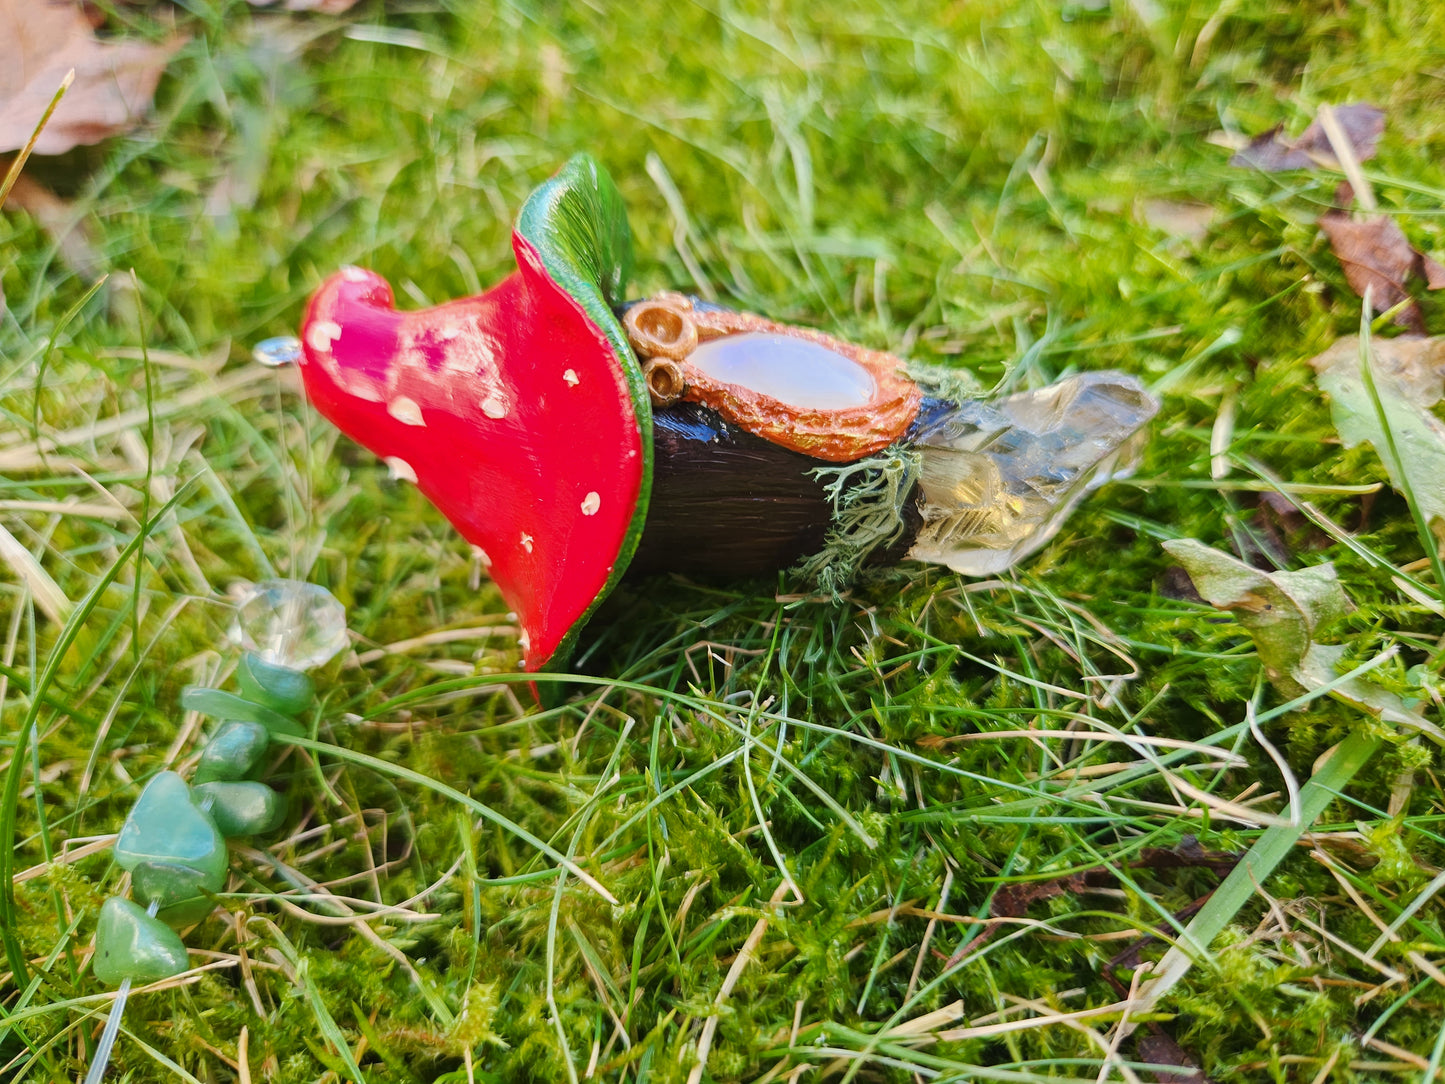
(751, 814)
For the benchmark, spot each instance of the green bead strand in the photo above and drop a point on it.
(183, 894)
(173, 840)
(166, 825)
(242, 808)
(277, 687)
(234, 751)
(130, 944)
(230, 706)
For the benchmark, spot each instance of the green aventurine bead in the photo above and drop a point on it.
(233, 752)
(280, 687)
(176, 889)
(165, 825)
(242, 809)
(230, 706)
(130, 944)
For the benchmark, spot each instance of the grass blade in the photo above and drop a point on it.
(11, 796)
(1339, 767)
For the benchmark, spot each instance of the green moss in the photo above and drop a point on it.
(968, 186)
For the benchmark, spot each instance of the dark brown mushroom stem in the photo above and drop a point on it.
(728, 504)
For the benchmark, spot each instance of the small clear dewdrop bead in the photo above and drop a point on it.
(289, 623)
(282, 350)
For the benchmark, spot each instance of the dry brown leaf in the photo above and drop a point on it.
(58, 219)
(1362, 123)
(1415, 366)
(1157, 1047)
(1014, 900)
(1376, 255)
(74, 241)
(114, 80)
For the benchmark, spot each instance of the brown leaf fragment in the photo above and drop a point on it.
(1363, 123)
(1014, 900)
(58, 219)
(1174, 583)
(1268, 152)
(114, 80)
(1187, 855)
(1157, 1047)
(1433, 272)
(1376, 255)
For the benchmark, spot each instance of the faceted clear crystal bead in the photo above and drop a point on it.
(795, 371)
(289, 623)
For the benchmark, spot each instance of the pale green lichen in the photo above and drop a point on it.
(868, 499)
(943, 381)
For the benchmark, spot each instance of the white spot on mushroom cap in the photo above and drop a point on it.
(591, 503)
(468, 349)
(320, 335)
(400, 469)
(405, 411)
(493, 407)
(524, 642)
(352, 273)
(360, 385)
(482, 558)
(571, 377)
(526, 542)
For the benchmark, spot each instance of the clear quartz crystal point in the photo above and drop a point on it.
(998, 479)
(289, 623)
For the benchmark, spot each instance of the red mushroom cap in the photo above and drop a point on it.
(520, 413)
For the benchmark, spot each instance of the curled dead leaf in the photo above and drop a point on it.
(1408, 375)
(1281, 610)
(114, 80)
(1376, 256)
(1363, 123)
(1298, 605)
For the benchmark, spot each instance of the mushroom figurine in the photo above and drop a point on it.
(575, 437)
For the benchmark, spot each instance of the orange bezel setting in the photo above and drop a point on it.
(664, 331)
